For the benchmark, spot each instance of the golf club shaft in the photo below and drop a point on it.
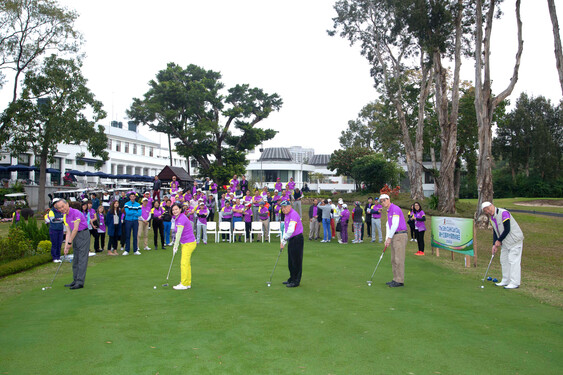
(58, 268)
(381, 257)
(486, 273)
(274, 270)
(169, 268)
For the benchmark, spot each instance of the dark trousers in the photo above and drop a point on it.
(368, 226)
(295, 258)
(158, 226)
(419, 235)
(56, 243)
(112, 242)
(94, 233)
(247, 227)
(131, 226)
(101, 239)
(211, 216)
(411, 225)
(81, 246)
(122, 238)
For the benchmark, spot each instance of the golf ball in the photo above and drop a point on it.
(42, 288)
(155, 287)
(482, 287)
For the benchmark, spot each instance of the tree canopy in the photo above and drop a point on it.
(214, 128)
(52, 110)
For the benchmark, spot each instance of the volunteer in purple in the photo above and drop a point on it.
(278, 185)
(290, 185)
(419, 227)
(293, 236)
(396, 237)
(201, 213)
(238, 212)
(186, 240)
(375, 211)
(313, 222)
(344, 218)
(264, 216)
(144, 222)
(174, 185)
(77, 237)
(56, 231)
(157, 214)
(226, 215)
(507, 236)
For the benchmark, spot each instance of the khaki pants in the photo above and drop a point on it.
(398, 245)
(143, 231)
(265, 228)
(314, 229)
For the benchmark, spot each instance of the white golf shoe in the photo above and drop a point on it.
(147, 248)
(181, 287)
(511, 286)
(502, 283)
(137, 252)
(125, 253)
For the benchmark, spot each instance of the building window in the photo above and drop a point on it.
(109, 144)
(143, 150)
(116, 124)
(132, 126)
(150, 151)
(135, 148)
(118, 146)
(126, 147)
(68, 161)
(428, 179)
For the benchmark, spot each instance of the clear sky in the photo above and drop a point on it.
(281, 47)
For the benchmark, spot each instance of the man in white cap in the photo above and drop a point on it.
(396, 236)
(507, 236)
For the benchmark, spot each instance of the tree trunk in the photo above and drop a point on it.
(434, 166)
(485, 103)
(42, 181)
(556, 41)
(457, 177)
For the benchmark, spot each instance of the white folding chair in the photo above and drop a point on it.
(256, 228)
(225, 228)
(275, 227)
(212, 229)
(240, 228)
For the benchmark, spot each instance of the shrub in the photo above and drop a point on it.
(44, 247)
(34, 232)
(15, 246)
(23, 264)
(433, 201)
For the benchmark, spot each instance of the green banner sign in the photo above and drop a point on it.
(453, 234)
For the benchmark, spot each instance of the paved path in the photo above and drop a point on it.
(537, 212)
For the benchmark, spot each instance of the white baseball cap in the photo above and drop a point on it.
(383, 196)
(485, 204)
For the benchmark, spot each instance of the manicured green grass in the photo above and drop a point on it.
(232, 323)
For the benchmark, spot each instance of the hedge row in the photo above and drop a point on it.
(23, 264)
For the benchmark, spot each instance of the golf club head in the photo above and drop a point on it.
(268, 283)
(369, 283)
(165, 284)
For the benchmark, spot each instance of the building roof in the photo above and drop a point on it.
(275, 154)
(180, 173)
(319, 159)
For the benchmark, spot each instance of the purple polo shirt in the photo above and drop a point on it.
(102, 221)
(73, 215)
(291, 185)
(188, 232)
(344, 216)
(202, 210)
(227, 212)
(157, 212)
(278, 186)
(315, 211)
(248, 214)
(238, 207)
(393, 211)
(420, 226)
(174, 185)
(214, 188)
(293, 216)
(257, 200)
(248, 198)
(263, 213)
(145, 211)
(374, 213)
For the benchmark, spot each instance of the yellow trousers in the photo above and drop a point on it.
(185, 264)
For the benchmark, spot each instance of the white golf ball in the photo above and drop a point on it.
(42, 288)
(155, 287)
(482, 287)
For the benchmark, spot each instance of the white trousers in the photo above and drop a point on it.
(510, 259)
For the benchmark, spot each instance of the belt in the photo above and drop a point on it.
(400, 231)
(83, 230)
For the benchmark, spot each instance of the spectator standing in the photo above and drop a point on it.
(201, 213)
(264, 216)
(167, 221)
(113, 224)
(367, 209)
(313, 221)
(358, 220)
(244, 185)
(131, 220)
(101, 240)
(376, 220)
(344, 218)
(95, 202)
(325, 208)
(297, 195)
(157, 214)
(144, 222)
(156, 187)
(56, 231)
(420, 227)
(226, 214)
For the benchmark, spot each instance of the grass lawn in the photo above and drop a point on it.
(441, 322)
(232, 323)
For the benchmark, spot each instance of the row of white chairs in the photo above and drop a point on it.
(240, 229)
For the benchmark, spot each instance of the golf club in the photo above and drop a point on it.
(51, 286)
(381, 257)
(169, 268)
(485, 277)
(274, 270)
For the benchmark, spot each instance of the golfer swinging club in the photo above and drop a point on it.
(293, 236)
(507, 236)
